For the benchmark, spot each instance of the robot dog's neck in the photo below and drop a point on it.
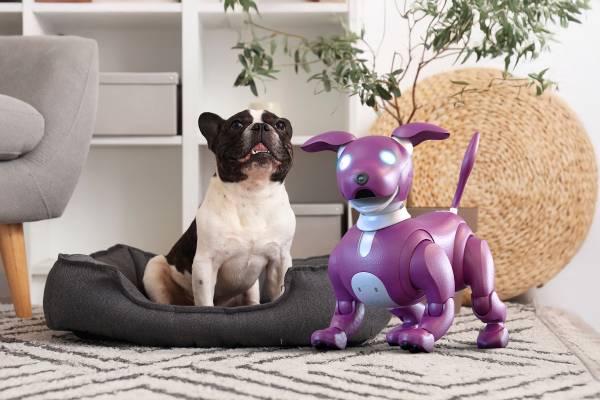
(392, 214)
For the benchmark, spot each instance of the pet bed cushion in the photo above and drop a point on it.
(102, 296)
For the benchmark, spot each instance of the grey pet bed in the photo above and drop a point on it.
(102, 296)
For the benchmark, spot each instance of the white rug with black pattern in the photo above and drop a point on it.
(550, 355)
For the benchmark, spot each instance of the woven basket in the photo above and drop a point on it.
(535, 179)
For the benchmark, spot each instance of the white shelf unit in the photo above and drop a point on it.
(137, 141)
(144, 191)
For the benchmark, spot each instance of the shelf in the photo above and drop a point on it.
(42, 267)
(10, 18)
(110, 15)
(280, 14)
(11, 7)
(137, 141)
(296, 140)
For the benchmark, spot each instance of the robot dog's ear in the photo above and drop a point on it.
(332, 140)
(209, 125)
(412, 134)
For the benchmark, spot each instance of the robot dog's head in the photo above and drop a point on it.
(375, 171)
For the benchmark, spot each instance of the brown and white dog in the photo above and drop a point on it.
(245, 224)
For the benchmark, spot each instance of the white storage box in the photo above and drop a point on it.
(137, 104)
(318, 229)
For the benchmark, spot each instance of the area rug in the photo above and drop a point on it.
(550, 355)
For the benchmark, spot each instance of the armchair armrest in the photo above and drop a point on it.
(58, 76)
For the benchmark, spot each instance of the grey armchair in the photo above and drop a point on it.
(48, 94)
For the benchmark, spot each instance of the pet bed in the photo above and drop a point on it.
(102, 296)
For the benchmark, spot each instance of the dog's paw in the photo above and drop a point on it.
(493, 336)
(329, 338)
(414, 340)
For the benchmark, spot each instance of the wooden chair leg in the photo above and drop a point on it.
(12, 247)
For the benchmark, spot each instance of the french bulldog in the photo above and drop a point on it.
(244, 226)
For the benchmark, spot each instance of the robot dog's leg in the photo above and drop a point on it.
(410, 315)
(430, 271)
(487, 306)
(346, 320)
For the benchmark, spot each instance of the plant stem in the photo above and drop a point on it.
(275, 31)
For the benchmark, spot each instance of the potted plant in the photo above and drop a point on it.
(513, 30)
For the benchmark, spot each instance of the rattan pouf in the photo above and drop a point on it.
(535, 179)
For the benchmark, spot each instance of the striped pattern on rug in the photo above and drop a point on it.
(36, 363)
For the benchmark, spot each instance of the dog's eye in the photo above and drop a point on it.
(236, 125)
(280, 125)
(387, 157)
(344, 162)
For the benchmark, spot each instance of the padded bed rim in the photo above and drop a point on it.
(146, 303)
(101, 298)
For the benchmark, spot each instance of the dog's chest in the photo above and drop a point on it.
(371, 267)
(248, 245)
(244, 231)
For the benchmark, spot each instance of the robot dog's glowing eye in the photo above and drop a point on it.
(387, 157)
(344, 162)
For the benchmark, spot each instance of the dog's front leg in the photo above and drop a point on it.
(431, 272)
(347, 317)
(204, 279)
(275, 275)
(251, 296)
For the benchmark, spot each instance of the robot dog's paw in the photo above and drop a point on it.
(493, 336)
(329, 338)
(414, 340)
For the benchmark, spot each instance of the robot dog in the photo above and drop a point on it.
(391, 260)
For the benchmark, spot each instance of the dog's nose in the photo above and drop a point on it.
(261, 127)
(362, 178)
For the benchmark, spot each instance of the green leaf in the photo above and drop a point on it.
(253, 87)
(239, 81)
(383, 93)
(462, 83)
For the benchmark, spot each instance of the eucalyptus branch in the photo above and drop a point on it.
(512, 30)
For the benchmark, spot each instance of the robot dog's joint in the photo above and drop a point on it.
(344, 307)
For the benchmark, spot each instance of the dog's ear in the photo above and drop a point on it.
(209, 125)
(412, 134)
(328, 141)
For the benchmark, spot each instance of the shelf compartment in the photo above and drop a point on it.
(137, 141)
(280, 14)
(10, 18)
(109, 15)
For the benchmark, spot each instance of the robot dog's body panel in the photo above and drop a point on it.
(362, 276)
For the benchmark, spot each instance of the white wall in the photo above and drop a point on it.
(575, 64)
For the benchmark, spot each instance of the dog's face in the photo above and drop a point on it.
(251, 142)
(375, 171)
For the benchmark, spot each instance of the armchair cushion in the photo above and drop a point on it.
(21, 128)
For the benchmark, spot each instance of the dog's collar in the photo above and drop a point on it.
(374, 222)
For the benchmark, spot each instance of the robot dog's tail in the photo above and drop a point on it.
(465, 170)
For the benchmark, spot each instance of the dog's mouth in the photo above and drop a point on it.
(365, 201)
(364, 194)
(258, 151)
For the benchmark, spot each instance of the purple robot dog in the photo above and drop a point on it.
(389, 259)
